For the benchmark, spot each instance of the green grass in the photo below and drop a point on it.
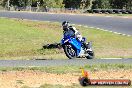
(76, 86)
(128, 15)
(23, 39)
(70, 68)
(26, 38)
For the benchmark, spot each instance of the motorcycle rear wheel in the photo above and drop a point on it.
(90, 55)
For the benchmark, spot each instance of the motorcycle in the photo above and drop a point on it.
(74, 48)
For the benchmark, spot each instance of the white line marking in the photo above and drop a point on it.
(79, 25)
(91, 27)
(110, 58)
(129, 35)
(118, 33)
(86, 26)
(124, 34)
(98, 28)
(110, 31)
(105, 30)
(115, 32)
(101, 29)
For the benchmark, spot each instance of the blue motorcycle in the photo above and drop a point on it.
(74, 48)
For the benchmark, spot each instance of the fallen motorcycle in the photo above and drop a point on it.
(74, 48)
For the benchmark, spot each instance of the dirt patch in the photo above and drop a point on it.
(112, 74)
(17, 79)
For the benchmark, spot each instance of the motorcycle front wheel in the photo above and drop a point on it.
(70, 51)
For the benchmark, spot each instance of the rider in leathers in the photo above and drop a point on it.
(70, 30)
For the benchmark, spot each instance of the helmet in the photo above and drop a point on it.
(65, 24)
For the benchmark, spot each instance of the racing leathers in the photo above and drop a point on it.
(72, 31)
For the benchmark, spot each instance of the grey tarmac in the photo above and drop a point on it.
(77, 62)
(115, 24)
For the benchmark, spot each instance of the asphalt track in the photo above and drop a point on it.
(116, 24)
(77, 62)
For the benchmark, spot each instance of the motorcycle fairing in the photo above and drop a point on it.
(73, 41)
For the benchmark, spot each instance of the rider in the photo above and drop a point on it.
(70, 30)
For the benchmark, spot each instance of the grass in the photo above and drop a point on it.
(69, 69)
(129, 15)
(78, 12)
(24, 39)
(76, 86)
(76, 69)
(95, 14)
(103, 14)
